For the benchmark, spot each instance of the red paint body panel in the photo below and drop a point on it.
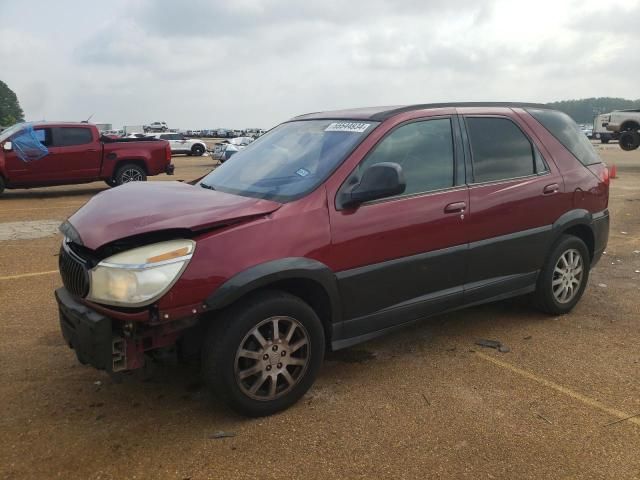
(81, 163)
(142, 207)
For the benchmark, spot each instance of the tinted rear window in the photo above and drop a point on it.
(561, 126)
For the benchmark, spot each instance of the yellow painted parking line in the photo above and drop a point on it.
(25, 275)
(562, 389)
(39, 208)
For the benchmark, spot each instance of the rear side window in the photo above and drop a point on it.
(499, 150)
(70, 136)
(424, 150)
(567, 132)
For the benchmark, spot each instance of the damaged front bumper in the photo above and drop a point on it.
(110, 344)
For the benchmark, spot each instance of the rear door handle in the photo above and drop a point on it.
(455, 207)
(549, 189)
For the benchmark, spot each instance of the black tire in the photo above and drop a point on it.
(129, 172)
(221, 352)
(197, 150)
(111, 182)
(604, 140)
(2, 185)
(544, 296)
(629, 140)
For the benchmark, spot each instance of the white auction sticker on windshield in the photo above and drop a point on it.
(354, 127)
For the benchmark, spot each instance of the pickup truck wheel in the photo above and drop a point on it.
(2, 185)
(197, 150)
(130, 172)
(629, 140)
(564, 277)
(261, 355)
(111, 182)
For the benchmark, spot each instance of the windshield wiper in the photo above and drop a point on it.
(209, 187)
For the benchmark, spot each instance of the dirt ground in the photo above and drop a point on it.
(425, 402)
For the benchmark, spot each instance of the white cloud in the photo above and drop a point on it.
(206, 64)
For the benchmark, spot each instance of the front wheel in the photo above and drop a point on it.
(629, 140)
(263, 354)
(564, 276)
(128, 173)
(2, 185)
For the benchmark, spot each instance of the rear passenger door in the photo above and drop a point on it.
(513, 195)
(402, 258)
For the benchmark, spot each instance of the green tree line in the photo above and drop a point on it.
(583, 111)
(10, 110)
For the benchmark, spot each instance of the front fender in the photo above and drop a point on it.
(268, 273)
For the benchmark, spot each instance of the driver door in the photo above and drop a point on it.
(404, 257)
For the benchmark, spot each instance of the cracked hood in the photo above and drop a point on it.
(144, 207)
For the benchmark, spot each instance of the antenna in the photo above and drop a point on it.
(90, 117)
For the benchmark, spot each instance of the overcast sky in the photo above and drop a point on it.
(246, 63)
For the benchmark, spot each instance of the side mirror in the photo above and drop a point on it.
(380, 180)
(7, 147)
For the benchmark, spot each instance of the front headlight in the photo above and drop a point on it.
(140, 276)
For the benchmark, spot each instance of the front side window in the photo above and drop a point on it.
(70, 136)
(499, 150)
(423, 149)
(289, 161)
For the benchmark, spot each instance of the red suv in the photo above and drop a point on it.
(329, 230)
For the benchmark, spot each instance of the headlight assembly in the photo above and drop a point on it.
(140, 276)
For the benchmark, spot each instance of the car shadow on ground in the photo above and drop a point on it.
(178, 382)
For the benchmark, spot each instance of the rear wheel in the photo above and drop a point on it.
(128, 173)
(2, 185)
(629, 140)
(564, 277)
(197, 150)
(262, 355)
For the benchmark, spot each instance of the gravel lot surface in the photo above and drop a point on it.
(425, 402)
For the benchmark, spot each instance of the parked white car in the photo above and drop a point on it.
(180, 144)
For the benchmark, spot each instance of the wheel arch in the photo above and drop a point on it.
(308, 279)
(136, 161)
(630, 125)
(578, 223)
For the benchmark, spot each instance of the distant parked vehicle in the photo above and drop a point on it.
(254, 132)
(600, 131)
(129, 129)
(587, 130)
(224, 133)
(625, 123)
(156, 127)
(70, 153)
(233, 146)
(181, 144)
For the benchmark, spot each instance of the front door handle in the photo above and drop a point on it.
(552, 188)
(455, 207)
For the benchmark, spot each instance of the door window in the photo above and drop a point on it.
(423, 149)
(44, 136)
(70, 136)
(500, 150)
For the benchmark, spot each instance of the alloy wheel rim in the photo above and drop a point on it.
(131, 175)
(567, 276)
(272, 358)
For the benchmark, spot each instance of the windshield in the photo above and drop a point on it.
(10, 131)
(289, 161)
